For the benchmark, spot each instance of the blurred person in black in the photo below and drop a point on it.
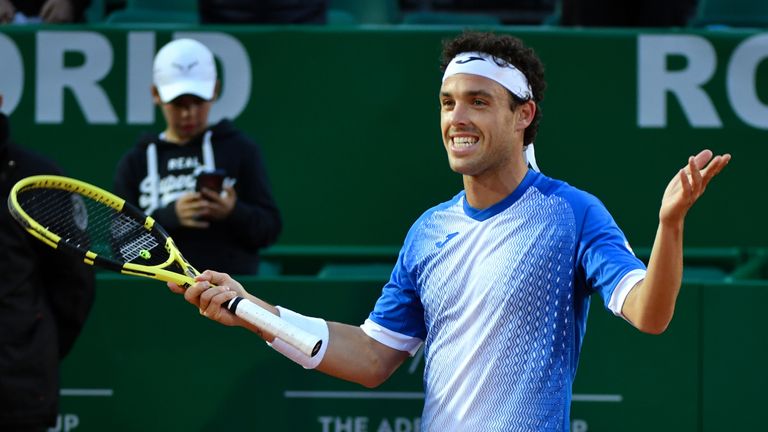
(45, 298)
(262, 11)
(223, 227)
(42, 11)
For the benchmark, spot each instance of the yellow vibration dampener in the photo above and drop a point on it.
(145, 254)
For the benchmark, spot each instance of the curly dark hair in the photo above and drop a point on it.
(511, 50)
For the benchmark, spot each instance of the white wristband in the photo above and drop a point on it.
(314, 326)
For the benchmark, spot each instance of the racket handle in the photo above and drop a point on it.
(271, 323)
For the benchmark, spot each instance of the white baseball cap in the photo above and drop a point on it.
(184, 66)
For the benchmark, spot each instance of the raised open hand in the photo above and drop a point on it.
(689, 184)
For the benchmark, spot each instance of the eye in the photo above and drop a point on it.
(181, 104)
(446, 103)
(479, 102)
(186, 102)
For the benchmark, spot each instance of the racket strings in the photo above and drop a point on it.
(138, 247)
(89, 225)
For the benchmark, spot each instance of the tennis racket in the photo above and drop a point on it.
(76, 217)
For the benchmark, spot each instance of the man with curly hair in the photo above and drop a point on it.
(496, 282)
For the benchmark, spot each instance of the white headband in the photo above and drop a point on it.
(485, 65)
(510, 77)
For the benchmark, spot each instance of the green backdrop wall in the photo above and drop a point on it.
(348, 118)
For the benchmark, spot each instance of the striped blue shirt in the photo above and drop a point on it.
(499, 297)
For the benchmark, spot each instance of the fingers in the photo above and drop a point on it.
(198, 209)
(702, 158)
(176, 289)
(695, 173)
(197, 293)
(209, 292)
(57, 11)
(230, 193)
(194, 223)
(690, 181)
(223, 279)
(219, 205)
(685, 184)
(212, 298)
(210, 194)
(704, 161)
(192, 294)
(46, 12)
(191, 210)
(217, 278)
(714, 168)
(6, 11)
(705, 165)
(717, 165)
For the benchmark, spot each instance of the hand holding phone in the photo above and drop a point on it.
(212, 180)
(220, 205)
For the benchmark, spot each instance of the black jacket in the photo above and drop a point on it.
(45, 298)
(231, 245)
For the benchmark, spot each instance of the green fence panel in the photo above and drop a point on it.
(631, 381)
(707, 264)
(734, 350)
(147, 361)
(755, 266)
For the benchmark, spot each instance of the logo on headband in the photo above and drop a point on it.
(492, 68)
(469, 60)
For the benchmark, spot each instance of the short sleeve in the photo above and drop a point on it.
(605, 256)
(399, 307)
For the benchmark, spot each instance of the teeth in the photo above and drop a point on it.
(464, 141)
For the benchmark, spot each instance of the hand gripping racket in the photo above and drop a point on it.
(76, 217)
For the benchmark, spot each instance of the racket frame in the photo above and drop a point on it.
(259, 317)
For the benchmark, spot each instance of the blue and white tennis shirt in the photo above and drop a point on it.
(500, 298)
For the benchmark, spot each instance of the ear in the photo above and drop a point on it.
(216, 91)
(527, 113)
(156, 96)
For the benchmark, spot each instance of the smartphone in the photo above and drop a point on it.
(212, 180)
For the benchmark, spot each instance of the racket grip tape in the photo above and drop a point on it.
(301, 340)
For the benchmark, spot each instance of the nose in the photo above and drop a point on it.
(188, 110)
(459, 115)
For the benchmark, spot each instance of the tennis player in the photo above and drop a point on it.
(496, 282)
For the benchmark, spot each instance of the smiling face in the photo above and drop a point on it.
(482, 135)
